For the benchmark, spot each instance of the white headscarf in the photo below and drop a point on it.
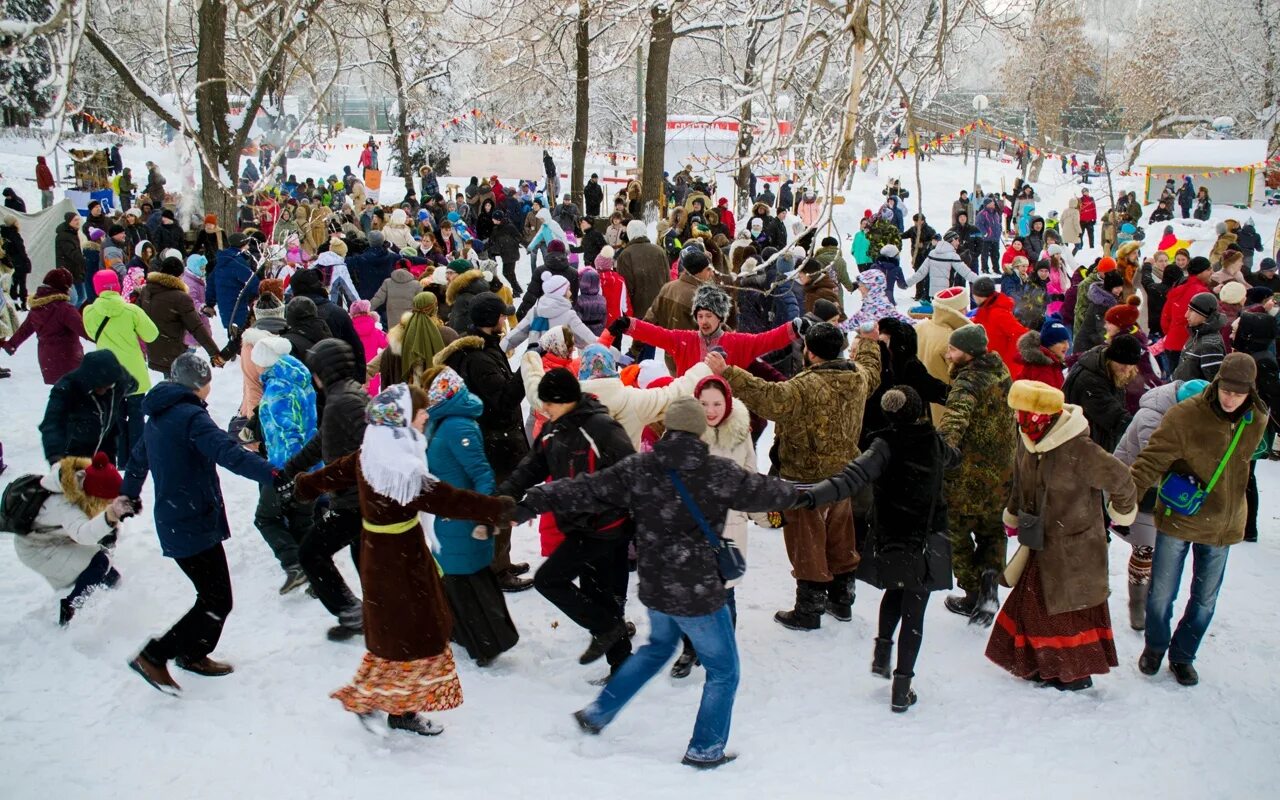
(556, 231)
(393, 456)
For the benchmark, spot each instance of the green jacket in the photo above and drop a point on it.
(830, 257)
(125, 325)
(979, 423)
(861, 249)
(1082, 299)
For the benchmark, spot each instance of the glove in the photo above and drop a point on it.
(522, 514)
(801, 326)
(619, 326)
(805, 499)
(123, 508)
(283, 483)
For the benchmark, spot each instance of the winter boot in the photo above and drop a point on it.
(1149, 662)
(414, 723)
(988, 601)
(519, 569)
(1138, 605)
(1071, 686)
(66, 610)
(155, 673)
(350, 624)
(962, 604)
(685, 662)
(840, 595)
(881, 656)
(601, 642)
(697, 763)
(1185, 673)
(902, 697)
(293, 578)
(811, 601)
(511, 583)
(205, 666)
(585, 724)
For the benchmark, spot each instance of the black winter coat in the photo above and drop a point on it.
(899, 365)
(1157, 293)
(334, 316)
(593, 194)
(342, 420)
(169, 236)
(505, 242)
(677, 567)
(585, 440)
(484, 368)
(15, 250)
(1089, 385)
(78, 421)
(592, 243)
(67, 252)
(305, 330)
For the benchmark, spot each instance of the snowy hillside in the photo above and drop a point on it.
(810, 720)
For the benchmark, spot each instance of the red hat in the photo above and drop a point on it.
(59, 280)
(102, 479)
(1124, 316)
(866, 213)
(716, 382)
(723, 201)
(210, 219)
(1106, 264)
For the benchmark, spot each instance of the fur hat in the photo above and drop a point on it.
(955, 298)
(338, 247)
(1035, 397)
(106, 280)
(1232, 293)
(712, 298)
(268, 351)
(825, 341)
(1232, 258)
(971, 339)
(1238, 373)
(636, 229)
(1124, 349)
(686, 415)
(1204, 304)
(902, 405)
(1053, 332)
(275, 286)
(560, 386)
(101, 479)
(1112, 280)
(1123, 315)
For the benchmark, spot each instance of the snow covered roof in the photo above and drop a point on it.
(1201, 152)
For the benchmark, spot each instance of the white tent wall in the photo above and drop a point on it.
(39, 230)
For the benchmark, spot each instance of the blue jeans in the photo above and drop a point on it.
(713, 637)
(1208, 566)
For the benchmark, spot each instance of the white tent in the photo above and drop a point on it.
(39, 230)
(1173, 158)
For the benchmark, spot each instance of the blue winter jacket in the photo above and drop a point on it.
(455, 452)
(182, 447)
(233, 287)
(288, 409)
(369, 269)
(990, 221)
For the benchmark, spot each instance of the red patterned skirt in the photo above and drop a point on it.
(403, 687)
(1029, 641)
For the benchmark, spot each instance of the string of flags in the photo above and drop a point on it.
(102, 123)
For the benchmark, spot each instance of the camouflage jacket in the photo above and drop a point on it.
(979, 423)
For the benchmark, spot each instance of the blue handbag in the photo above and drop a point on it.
(729, 559)
(1184, 494)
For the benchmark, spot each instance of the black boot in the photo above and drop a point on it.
(1070, 686)
(1149, 662)
(350, 624)
(601, 642)
(881, 656)
(685, 662)
(902, 698)
(962, 604)
(414, 723)
(988, 600)
(811, 601)
(840, 595)
(1185, 673)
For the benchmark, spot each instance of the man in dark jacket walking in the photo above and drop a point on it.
(484, 368)
(182, 447)
(340, 432)
(644, 268)
(580, 437)
(234, 283)
(307, 283)
(69, 256)
(1096, 384)
(86, 408)
(680, 582)
(593, 195)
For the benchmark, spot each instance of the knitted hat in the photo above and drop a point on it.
(96, 234)
(442, 386)
(167, 214)
(1191, 388)
(955, 298)
(360, 308)
(1124, 349)
(338, 247)
(487, 308)
(268, 351)
(1106, 264)
(1035, 397)
(902, 405)
(1256, 294)
(686, 414)
(826, 310)
(210, 219)
(461, 265)
(712, 298)
(1197, 265)
(825, 341)
(556, 246)
(196, 263)
(268, 306)
(559, 386)
(1267, 265)
(607, 251)
(889, 251)
(1232, 293)
(1054, 333)
(106, 280)
(604, 261)
(554, 284)
(376, 239)
(101, 479)
(1238, 373)
(984, 287)
(191, 371)
(651, 370)
(115, 230)
(1204, 304)
(694, 260)
(597, 362)
(971, 339)
(1124, 315)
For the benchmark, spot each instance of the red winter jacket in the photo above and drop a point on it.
(44, 178)
(617, 303)
(726, 218)
(1173, 318)
(1036, 363)
(1088, 210)
(1003, 329)
(58, 328)
(686, 347)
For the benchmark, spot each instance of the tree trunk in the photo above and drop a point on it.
(212, 107)
(402, 103)
(582, 105)
(745, 133)
(661, 36)
(847, 153)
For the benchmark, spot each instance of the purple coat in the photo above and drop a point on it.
(195, 288)
(58, 329)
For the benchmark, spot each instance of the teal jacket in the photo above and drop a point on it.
(455, 451)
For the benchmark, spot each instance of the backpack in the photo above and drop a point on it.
(20, 503)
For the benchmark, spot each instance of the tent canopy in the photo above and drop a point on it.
(1201, 153)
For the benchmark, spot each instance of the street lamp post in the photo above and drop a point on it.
(980, 104)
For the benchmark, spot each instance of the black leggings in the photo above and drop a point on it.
(899, 604)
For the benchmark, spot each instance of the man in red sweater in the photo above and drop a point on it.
(1173, 319)
(711, 307)
(995, 313)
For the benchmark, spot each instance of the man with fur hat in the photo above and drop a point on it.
(1220, 428)
(1204, 349)
(1097, 384)
(673, 307)
(815, 442)
(710, 308)
(977, 422)
(479, 359)
(932, 335)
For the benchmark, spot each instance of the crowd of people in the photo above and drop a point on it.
(1030, 397)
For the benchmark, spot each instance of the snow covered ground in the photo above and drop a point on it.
(810, 720)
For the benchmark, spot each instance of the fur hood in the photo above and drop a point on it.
(1031, 352)
(169, 281)
(66, 478)
(1070, 425)
(462, 282)
(459, 344)
(395, 336)
(44, 300)
(731, 432)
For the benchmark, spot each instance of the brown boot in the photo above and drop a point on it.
(205, 666)
(155, 673)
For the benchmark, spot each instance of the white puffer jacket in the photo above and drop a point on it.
(63, 539)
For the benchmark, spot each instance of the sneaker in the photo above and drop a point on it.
(205, 666)
(698, 763)
(293, 579)
(155, 673)
(1185, 673)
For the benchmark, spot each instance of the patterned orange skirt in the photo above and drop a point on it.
(403, 687)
